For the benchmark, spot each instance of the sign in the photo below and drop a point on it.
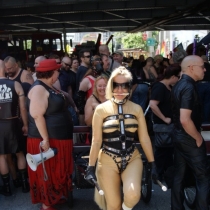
(150, 42)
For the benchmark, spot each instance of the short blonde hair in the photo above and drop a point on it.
(118, 71)
(95, 84)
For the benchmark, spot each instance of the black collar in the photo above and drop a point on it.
(188, 78)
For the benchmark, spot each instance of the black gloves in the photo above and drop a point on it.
(153, 170)
(90, 174)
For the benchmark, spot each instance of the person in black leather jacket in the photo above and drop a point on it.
(189, 145)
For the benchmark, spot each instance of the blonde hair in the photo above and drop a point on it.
(118, 71)
(95, 84)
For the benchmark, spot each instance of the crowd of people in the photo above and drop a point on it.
(39, 106)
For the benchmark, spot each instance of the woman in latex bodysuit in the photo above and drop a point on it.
(114, 125)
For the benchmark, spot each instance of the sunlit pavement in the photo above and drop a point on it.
(83, 200)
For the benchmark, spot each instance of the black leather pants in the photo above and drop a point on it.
(163, 159)
(188, 154)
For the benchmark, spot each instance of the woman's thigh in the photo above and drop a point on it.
(131, 179)
(109, 180)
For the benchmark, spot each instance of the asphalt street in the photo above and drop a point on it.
(83, 200)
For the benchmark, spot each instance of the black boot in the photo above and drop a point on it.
(5, 190)
(17, 182)
(24, 179)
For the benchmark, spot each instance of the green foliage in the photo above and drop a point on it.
(133, 40)
(29, 43)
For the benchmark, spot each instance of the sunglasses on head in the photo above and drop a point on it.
(125, 85)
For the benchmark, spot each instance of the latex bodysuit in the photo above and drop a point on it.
(114, 126)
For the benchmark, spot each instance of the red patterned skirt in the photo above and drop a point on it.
(59, 170)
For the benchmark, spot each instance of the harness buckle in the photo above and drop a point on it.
(122, 137)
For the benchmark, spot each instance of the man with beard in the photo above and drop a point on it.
(104, 50)
(106, 65)
(84, 56)
(15, 73)
(66, 76)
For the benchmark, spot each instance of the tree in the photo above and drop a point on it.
(130, 40)
(133, 40)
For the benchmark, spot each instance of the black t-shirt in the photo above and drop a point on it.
(73, 82)
(162, 94)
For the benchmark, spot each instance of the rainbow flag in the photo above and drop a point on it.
(162, 51)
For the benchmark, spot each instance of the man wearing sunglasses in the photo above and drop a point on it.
(190, 148)
(84, 56)
(66, 78)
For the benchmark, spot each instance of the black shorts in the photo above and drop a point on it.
(10, 134)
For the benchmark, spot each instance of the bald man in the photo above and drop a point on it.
(36, 63)
(11, 99)
(67, 78)
(104, 50)
(15, 73)
(189, 145)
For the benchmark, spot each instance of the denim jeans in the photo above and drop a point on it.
(140, 95)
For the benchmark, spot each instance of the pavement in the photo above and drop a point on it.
(83, 200)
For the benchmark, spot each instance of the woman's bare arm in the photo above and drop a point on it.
(155, 109)
(38, 105)
(97, 136)
(89, 111)
(23, 111)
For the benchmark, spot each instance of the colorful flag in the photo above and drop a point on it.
(162, 51)
(157, 50)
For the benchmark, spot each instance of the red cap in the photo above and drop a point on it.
(48, 65)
